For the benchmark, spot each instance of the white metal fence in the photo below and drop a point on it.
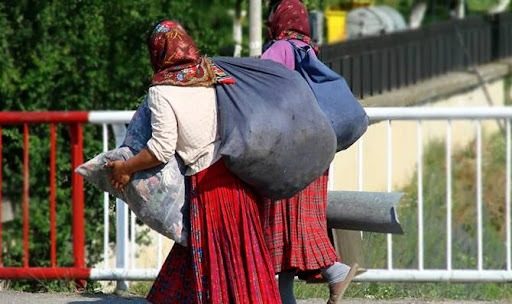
(126, 250)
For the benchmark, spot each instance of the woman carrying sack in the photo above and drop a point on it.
(226, 260)
(296, 228)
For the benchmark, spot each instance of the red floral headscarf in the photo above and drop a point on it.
(290, 20)
(176, 59)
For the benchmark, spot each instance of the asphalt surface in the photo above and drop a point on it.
(11, 297)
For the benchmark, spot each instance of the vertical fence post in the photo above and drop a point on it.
(53, 195)
(420, 195)
(77, 193)
(25, 199)
(479, 197)
(1, 197)
(449, 201)
(389, 181)
(121, 221)
(255, 27)
(508, 198)
(106, 203)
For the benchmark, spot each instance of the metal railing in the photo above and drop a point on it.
(126, 247)
(448, 115)
(73, 121)
(421, 273)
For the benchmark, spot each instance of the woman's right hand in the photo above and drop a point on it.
(122, 171)
(120, 175)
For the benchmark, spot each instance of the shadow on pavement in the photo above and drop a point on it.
(111, 299)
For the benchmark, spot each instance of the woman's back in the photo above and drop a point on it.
(185, 119)
(281, 51)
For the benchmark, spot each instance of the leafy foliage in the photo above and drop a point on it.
(77, 55)
(481, 5)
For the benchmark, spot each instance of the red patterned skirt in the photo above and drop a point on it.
(296, 229)
(227, 261)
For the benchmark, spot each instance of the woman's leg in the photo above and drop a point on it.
(335, 273)
(286, 280)
(338, 276)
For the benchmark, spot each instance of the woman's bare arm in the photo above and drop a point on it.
(122, 171)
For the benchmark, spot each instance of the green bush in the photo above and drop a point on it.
(77, 55)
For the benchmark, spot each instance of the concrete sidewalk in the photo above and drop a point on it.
(11, 297)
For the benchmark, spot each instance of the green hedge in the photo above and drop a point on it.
(78, 55)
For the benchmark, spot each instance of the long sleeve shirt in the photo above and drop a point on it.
(281, 51)
(184, 121)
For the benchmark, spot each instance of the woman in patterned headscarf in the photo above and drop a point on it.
(296, 228)
(226, 260)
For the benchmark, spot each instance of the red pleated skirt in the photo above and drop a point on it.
(227, 260)
(296, 229)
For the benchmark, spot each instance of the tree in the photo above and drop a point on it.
(78, 55)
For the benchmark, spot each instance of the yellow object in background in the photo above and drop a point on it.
(336, 25)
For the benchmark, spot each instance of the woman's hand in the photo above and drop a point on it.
(120, 175)
(122, 170)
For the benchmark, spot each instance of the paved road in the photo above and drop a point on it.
(11, 297)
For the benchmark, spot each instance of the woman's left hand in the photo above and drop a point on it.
(120, 175)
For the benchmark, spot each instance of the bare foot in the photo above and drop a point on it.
(337, 290)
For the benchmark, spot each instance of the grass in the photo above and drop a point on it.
(430, 291)
(425, 291)
(481, 5)
(508, 90)
(386, 291)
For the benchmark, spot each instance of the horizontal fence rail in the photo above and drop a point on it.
(375, 64)
(126, 249)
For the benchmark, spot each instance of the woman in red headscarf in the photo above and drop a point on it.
(226, 260)
(296, 228)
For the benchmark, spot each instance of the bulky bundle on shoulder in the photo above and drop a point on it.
(274, 137)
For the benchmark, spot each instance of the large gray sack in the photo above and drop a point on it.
(274, 135)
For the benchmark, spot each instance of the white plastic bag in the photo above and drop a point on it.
(156, 196)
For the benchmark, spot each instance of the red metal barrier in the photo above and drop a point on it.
(26, 196)
(17, 118)
(74, 121)
(1, 197)
(44, 273)
(53, 199)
